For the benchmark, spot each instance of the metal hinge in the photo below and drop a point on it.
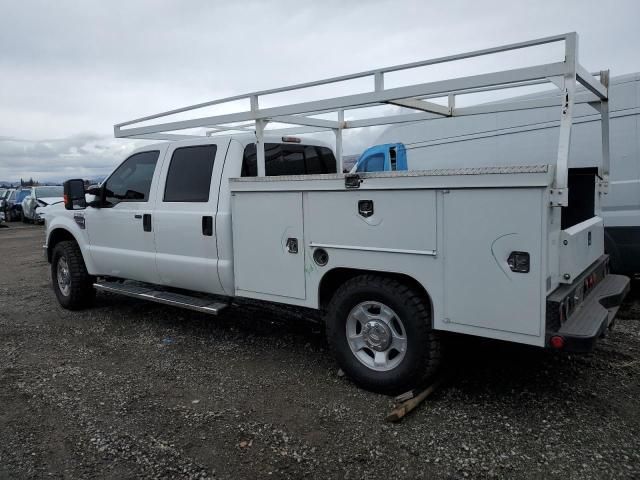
(558, 197)
(352, 180)
(603, 185)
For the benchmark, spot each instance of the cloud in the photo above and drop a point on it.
(55, 160)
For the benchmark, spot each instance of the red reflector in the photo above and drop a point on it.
(557, 342)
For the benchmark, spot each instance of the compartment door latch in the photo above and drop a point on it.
(292, 245)
(365, 208)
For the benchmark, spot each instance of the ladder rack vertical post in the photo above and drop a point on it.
(338, 132)
(378, 81)
(606, 150)
(451, 103)
(260, 157)
(561, 197)
(260, 124)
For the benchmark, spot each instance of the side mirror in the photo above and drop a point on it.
(74, 194)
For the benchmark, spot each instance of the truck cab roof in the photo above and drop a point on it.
(244, 139)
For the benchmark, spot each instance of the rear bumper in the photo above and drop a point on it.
(590, 319)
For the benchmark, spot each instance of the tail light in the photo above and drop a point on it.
(557, 342)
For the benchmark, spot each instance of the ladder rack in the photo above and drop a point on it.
(565, 75)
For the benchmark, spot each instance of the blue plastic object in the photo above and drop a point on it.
(383, 158)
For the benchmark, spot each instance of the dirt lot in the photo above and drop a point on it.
(130, 389)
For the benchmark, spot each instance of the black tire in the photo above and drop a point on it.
(423, 345)
(80, 292)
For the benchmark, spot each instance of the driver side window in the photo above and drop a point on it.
(131, 182)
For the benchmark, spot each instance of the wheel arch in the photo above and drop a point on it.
(57, 235)
(331, 281)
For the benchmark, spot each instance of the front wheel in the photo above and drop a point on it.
(72, 283)
(380, 331)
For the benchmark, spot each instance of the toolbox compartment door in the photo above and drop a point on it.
(268, 244)
(482, 227)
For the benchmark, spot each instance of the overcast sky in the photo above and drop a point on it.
(70, 70)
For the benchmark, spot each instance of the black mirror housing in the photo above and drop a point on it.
(74, 198)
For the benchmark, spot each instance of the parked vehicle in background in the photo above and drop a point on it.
(6, 192)
(15, 208)
(3, 193)
(382, 158)
(38, 197)
(391, 259)
(10, 211)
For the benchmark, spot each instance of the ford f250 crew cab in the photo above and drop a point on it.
(392, 259)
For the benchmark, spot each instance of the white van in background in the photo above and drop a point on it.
(518, 138)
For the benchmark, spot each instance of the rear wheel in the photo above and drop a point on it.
(380, 331)
(72, 283)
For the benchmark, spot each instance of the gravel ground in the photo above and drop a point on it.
(131, 389)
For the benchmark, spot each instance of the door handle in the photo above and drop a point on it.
(146, 222)
(207, 226)
(137, 216)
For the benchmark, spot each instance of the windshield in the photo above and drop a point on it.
(43, 192)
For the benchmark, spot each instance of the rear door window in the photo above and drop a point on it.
(288, 159)
(189, 176)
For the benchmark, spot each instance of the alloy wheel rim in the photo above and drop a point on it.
(376, 336)
(63, 276)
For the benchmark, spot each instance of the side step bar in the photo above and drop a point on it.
(149, 292)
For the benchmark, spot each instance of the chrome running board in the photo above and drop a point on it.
(205, 304)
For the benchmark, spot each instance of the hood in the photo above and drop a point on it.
(49, 200)
(52, 209)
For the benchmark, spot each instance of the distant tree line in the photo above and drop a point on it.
(29, 183)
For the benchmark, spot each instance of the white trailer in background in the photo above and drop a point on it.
(392, 259)
(520, 137)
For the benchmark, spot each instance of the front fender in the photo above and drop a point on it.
(66, 223)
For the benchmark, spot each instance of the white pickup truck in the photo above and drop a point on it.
(392, 259)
